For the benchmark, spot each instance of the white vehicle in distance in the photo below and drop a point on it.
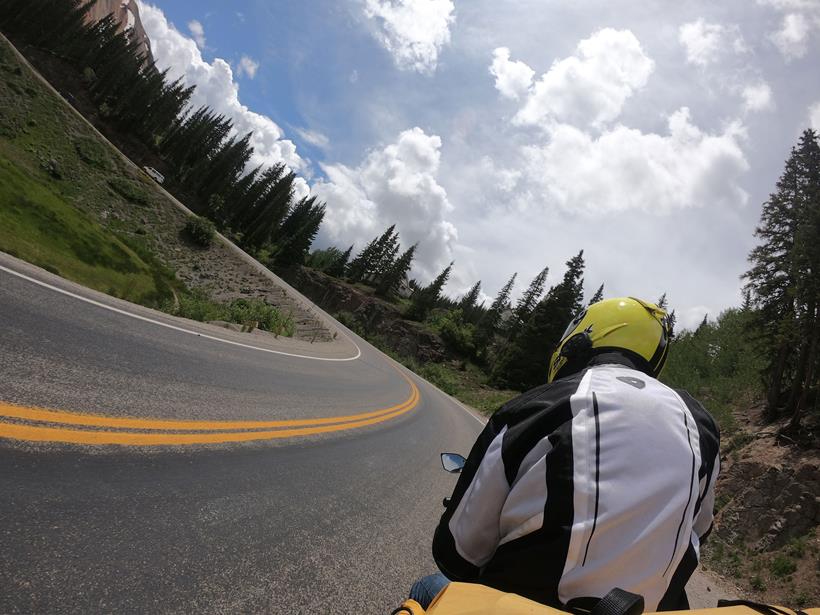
(155, 175)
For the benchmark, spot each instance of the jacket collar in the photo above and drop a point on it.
(613, 358)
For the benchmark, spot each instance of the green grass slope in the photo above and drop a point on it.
(54, 172)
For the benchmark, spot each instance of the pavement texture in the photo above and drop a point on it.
(337, 522)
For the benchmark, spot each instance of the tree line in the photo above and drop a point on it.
(511, 341)
(783, 286)
(206, 158)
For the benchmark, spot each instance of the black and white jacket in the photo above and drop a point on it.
(599, 480)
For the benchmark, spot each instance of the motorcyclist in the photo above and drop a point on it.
(604, 477)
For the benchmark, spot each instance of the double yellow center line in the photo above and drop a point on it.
(44, 425)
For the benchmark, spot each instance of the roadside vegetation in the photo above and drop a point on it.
(58, 179)
(250, 313)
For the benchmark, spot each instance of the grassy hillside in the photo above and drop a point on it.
(71, 205)
(53, 173)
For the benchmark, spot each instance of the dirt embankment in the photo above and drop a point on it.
(768, 501)
(359, 309)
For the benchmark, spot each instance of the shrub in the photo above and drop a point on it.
(93, 153)
(128, 190)
(197, 306)
(267, 317)
(459, 336)
(783, 566)
(200, 230)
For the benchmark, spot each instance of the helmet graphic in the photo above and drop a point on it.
(636, 328)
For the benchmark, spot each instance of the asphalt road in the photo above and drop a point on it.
(336, 521)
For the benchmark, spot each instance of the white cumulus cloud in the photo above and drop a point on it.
(198, 32)
(217, 88)
(814, 116)
(413, 31)
(512, 79)
(705, 42)
(398, 185)
(799, 22)
(247, 66)
(590, 87)
(758, 97)
(627, 169)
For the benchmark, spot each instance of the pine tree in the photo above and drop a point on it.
(397, 273)
(598, 296)
(526, 304)
(526, 362)
(298, 232)
(373, 259)
(662, 302)
(469, 302)
(383, 260)
(337, 268)
(784, 284)
(491, 323)
(425, 299)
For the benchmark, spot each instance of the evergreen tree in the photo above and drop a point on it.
(337, 268)
(491, 323)
(662, 303)
(425, 299)
(298, 232)
(373, 260)
(397, 273)
(469, 302)
(526, 362)
(385, 256)
(526, 304)
(784, 286)
(672, 319)
(598, 296)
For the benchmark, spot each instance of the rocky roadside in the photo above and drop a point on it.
(768, 510)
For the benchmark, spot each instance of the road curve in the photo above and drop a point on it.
(329, 522)
(332, 521)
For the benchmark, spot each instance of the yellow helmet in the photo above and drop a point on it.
(636, 328)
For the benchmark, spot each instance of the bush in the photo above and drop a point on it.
(783, 566)
(197, 306)
(201, 231)
(93, 153)
(267, 317)
(128, 190)
(459, 336)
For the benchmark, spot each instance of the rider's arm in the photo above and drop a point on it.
(709, 444)
(703, 520)
(468, 534)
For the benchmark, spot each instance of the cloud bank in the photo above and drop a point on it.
(588, 164)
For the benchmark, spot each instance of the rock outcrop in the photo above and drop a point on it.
(770, 494)
(127, 13)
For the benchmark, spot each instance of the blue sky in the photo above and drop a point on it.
(508, 134)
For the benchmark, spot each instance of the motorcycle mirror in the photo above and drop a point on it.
(452, 462)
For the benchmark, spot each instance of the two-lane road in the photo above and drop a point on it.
(339, 520)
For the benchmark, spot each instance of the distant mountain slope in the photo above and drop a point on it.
(128, 15)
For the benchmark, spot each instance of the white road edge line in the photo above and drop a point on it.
(174, 327)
